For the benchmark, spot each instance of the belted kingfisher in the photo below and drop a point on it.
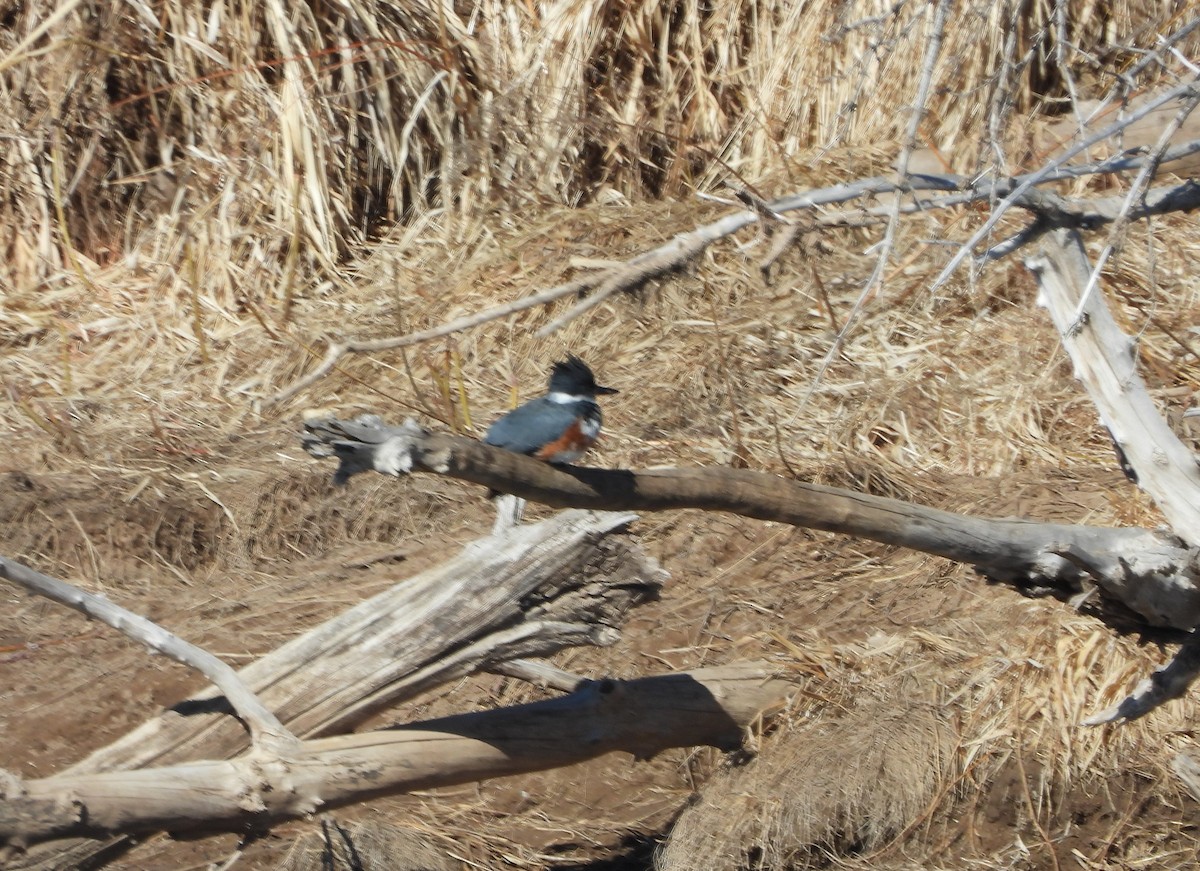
(560, 426)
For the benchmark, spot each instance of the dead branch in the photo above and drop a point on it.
(540, 674)
(686, 247)
(267, 733)
(1084, 214)
(1168, 682)
(1053, 210)
(1105, 360)
(933, 45)
(1049, 169)
(711, 707)
(566, 581)
(1150, 573)
(1136, 194)
(364, 346)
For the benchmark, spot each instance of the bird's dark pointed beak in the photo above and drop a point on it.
(605, 391)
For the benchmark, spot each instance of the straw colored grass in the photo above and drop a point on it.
(195, 196)
(369, 847)
(263, 144)
(843, 779)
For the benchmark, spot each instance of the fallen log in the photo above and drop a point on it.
(712, 706)
(564, 582)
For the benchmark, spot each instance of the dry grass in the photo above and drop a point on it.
(193, 196)
(919, 742)
(845, 779)
(368, 847)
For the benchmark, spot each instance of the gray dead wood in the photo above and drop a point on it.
(1150, 573)
(1105, 360)
(684, 248)
(1167, 682)
(713, 706)
(265, 729)
(564, 582)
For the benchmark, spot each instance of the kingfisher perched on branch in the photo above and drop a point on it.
(559, 427)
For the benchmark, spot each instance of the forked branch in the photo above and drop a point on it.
(267, 733)
(566, 581)
(597, 286)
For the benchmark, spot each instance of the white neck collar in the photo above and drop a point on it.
(564, 398)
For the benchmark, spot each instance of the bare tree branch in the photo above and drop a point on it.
(1133, 196)
(541, 674)
(685, 247)
(1149, 573)
(1054, 211)
(933, 48)
(1048, 170)
(713, 706)
(267, 733)
(1168, 682)
(359, 346)
(565, 581)
(1105, 360)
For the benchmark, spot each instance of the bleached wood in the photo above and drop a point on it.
(685, 247)
(539, 673)
(563, 582)
(713, 706)
(1105, 360)
(265, 729)
(1168, 682)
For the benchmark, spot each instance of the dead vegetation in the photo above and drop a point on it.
(194, 196)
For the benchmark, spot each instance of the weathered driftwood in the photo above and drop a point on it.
(563, 582)
(713, 706)
(1105, 360)
(264, 727)
(1150, 573)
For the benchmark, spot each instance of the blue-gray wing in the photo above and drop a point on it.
(535, 424)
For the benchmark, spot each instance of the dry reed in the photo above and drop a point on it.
(194, 195)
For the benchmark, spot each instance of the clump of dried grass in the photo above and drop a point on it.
(911, 743)
(844, 780)
(242, 148)
(367, 846)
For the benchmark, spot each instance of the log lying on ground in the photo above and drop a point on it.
(713, 706)
(563, 582)
(1150, 573)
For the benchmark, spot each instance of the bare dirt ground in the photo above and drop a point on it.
(939, 727)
